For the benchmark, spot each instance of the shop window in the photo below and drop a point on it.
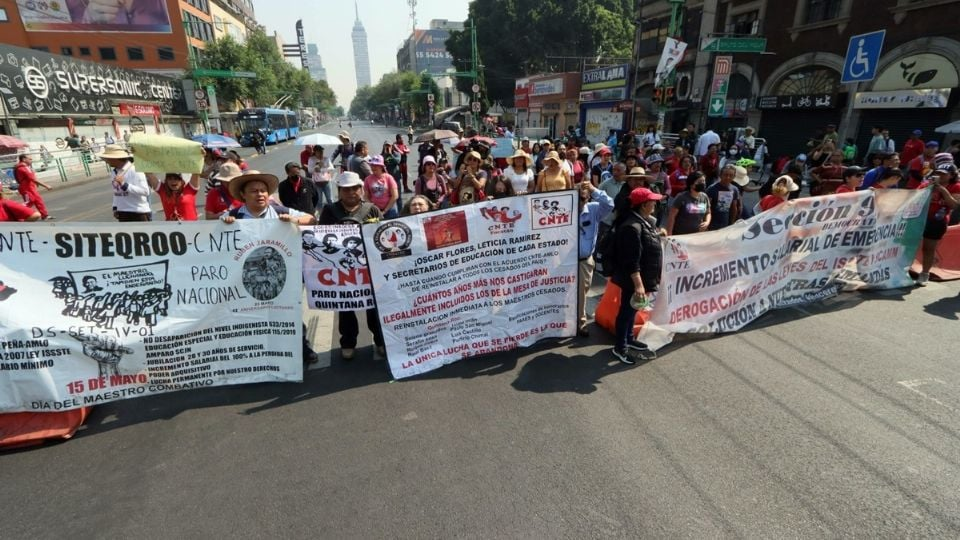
(135, 53)
(747, 24)
(822, 10)
(806, 81)
(165, 53)
(83, 51)
(3, 15)
(108, 53)
(41, 49)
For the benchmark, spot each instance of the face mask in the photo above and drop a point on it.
(699, 186)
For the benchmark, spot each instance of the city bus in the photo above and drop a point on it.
(278, 125)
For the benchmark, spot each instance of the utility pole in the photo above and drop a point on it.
(475, 75)
(413, 13)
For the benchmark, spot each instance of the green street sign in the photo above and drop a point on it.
(730, 44)
(717, 105)
(224, 74)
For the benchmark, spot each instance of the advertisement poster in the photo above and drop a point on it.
(91, 313)
(800, 252)
(335, 268)
(94, 16)
(475, 279)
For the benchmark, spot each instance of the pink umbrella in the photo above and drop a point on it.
(7, 142)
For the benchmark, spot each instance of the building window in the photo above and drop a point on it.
(653, 34)
(3, 15)
(165, 53)
(66, 51)
(806, 81)
(84, 51)
(822, 10)
(747, 24)
(41, 49)
(135, 53)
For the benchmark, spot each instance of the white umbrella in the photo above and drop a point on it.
(952, 127)
(318, 139)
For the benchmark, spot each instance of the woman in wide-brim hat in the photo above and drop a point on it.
(131, 191)
(553, 177)
(520, 173)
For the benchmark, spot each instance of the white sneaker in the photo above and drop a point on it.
(922, 279)
(347, 354)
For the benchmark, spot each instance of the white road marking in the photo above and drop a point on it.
(915, 384)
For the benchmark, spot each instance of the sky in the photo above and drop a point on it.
(328, 24)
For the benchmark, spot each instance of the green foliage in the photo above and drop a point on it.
(514, 38)
(405, 89)
(275, 76)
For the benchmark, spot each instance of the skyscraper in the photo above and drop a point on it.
(315, 63)
(361, 58)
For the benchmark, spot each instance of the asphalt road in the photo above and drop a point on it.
(835, 420)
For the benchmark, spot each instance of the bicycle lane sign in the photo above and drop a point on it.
(863, 55)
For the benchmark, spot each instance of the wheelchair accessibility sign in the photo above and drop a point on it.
(863, 55)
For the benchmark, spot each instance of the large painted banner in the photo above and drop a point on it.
(96, 313)
(475, 279)
(335, 268)
(94, 16)
(800, 252)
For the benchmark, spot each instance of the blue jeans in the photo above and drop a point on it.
(625, 318)
(324, 189)
(391, 213)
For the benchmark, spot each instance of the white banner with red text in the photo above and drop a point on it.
(92, 313)
(799, 252)
(475, 279)
(335, 268)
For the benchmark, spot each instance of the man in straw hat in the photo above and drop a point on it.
(254, 189)
(219, 199)
(131, 192)
(350, 208)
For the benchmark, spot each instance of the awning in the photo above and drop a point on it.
(952, 127)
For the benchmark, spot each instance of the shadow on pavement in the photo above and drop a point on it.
(947, 307)
(551, 372)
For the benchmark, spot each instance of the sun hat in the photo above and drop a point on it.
(599, 146)
(742, 178)
(376, 161)
(348, 179)
(521, 154)
(344, 135)
(473, 154)
(788, 180)
(552, 156)
(637, 172)
(641, 195)
(114, 151)
(237, 184)
(228, 171)
(429, 159)
(584, 151)
(654, 158)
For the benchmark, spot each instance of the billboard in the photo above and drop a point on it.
(95, 16)
(34, 82)
(431, 51)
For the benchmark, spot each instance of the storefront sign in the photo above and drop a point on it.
(431, 51)
(800, 252)
(934, 98)
(335, 268)
(137, 109)
(605, 77)
(546, 88)
(809, 101)
(918, 71)
(521, 96)
(607, 94)
(92, 313)
(474, 279)
(34, 82)
(82, 16)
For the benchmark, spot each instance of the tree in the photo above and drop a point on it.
(514, 38)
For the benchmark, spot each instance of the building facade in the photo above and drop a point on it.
(315, 63)
(361, 55)
(547, 103)
(792, 90)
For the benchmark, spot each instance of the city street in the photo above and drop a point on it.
(828, 420)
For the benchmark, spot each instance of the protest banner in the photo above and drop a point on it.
(163, 154)
(90, 313)
(474, 279)
(799, 252)
(335, 268)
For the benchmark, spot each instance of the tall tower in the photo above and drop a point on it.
(361, 58)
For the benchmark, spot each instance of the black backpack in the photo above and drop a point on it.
(604, 254)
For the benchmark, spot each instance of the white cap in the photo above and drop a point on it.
(348, 179)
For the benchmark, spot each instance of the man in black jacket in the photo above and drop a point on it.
(639, 258)
(298, 193)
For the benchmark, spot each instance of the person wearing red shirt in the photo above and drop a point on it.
(219, 199)
(779, 193)
(178, 196)
(305, 157)
(710, 164)
(678, 178)
(27, 183)
(913, 147)
(852, 178)
(14, 211)
(919, 167)
(945, 198)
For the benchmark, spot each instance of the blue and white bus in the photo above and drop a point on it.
(277, 124)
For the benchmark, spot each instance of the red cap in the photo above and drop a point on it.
(642, 195)
(604, 152)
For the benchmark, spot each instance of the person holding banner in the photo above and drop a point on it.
(131, 192)
(595, 206)
(945, 199)
(636, 270)
(178, 197)
(350, 208)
